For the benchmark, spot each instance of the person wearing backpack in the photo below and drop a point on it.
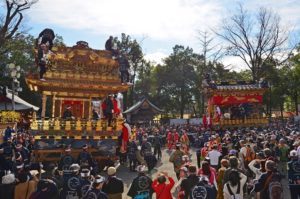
(233, 189)
(269, 184)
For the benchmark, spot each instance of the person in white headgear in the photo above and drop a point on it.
(95, 191)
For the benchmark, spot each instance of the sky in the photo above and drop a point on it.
(157, 24)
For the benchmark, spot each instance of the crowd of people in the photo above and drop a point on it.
(241, 163)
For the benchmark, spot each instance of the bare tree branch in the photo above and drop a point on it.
(254, 39)
(13, 18)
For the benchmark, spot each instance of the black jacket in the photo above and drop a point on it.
(7, 191)
(113, 185)
(191, 181)
(123, 63)
(141, 187)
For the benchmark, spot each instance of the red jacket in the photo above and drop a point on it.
(163, 191)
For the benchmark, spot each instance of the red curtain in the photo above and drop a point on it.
(229, 100)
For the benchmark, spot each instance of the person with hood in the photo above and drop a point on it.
(161, 188)
(141, 186)
(113, 186)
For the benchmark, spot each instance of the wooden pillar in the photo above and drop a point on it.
(83, 109)
(90, 108)
(44, 101)
(60, 108)
(53, 106)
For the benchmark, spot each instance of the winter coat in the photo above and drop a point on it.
(113, 187)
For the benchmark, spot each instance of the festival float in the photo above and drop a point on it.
(76, 77)
(234, 104)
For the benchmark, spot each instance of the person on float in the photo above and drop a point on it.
(116, 103)
(109, 46)
(95, 115)
(67, 115)
(124, 69)
(46, 37)
(109, 110)
(42, 60)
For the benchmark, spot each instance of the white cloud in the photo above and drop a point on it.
(159, 19)
(234, 63)
(156, 57)
(172, 21)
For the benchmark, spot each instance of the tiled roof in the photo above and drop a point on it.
(238, 87)
(139, 104)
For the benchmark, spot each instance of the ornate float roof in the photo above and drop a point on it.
(79, 72)
(236, 88)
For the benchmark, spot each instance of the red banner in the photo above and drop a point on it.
(228, 100)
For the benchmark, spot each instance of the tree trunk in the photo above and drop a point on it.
(296, 102)
(181, 103)
(281, 110)
(125, 103)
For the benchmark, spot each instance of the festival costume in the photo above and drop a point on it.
(126, 132)
(170, 140)
(185, 143)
